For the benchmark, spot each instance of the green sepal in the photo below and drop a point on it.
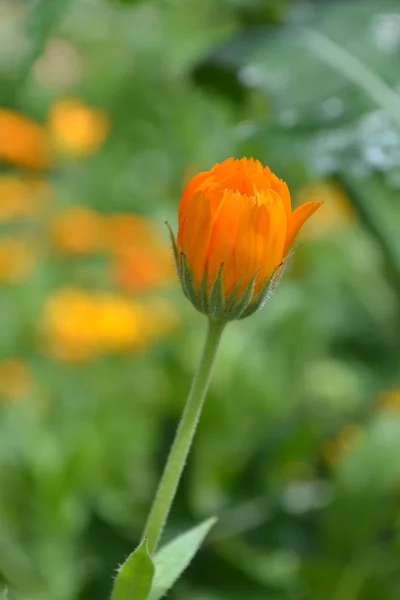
(203, 296)
(242, 302)
(213, 302)
(174, 246)
(216, 303)
(187, 282)
(181, 273)
(232, 298)
(259, 300)
(268, 289)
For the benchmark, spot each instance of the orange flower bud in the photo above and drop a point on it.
(236, 226)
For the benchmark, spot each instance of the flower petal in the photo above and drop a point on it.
(250, 247)
(297, 220)
(194, 234)
(190, 189)
(224, 234)
(237, 267)
(275, 237)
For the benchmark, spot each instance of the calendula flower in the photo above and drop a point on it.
(22, 141)
(16, 379)
(77, 129)
(236, 226)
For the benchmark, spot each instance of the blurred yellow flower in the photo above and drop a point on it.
(77, 325)
(338, 213)
(77, 230)
(22, 197)
(22, 141)
(77, 129)
(389, 401)
(347, 440)
(69, 325)
(16, 379)
(121, 324)
(17, 259)
(125, 325)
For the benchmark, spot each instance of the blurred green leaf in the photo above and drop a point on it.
(4, 594)
(173, 558)
(42, 19)
(135, 576)
(364, 482)
(286, 63)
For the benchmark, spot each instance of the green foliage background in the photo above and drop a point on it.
(310, 89)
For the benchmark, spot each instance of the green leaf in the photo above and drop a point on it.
(135, 576)
(43, 18)
(173, 558)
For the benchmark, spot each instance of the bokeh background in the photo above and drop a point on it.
(107, 109)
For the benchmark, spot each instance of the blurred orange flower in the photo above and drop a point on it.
(16, 379)
(17, 259)
(141, 262)
(22, 197)
(77, 129)
(77, 325)
(127, 230)
(22, 141)
(142, 269)
(77, 230)
(338, 213)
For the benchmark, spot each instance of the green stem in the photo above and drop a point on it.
(183, 438)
